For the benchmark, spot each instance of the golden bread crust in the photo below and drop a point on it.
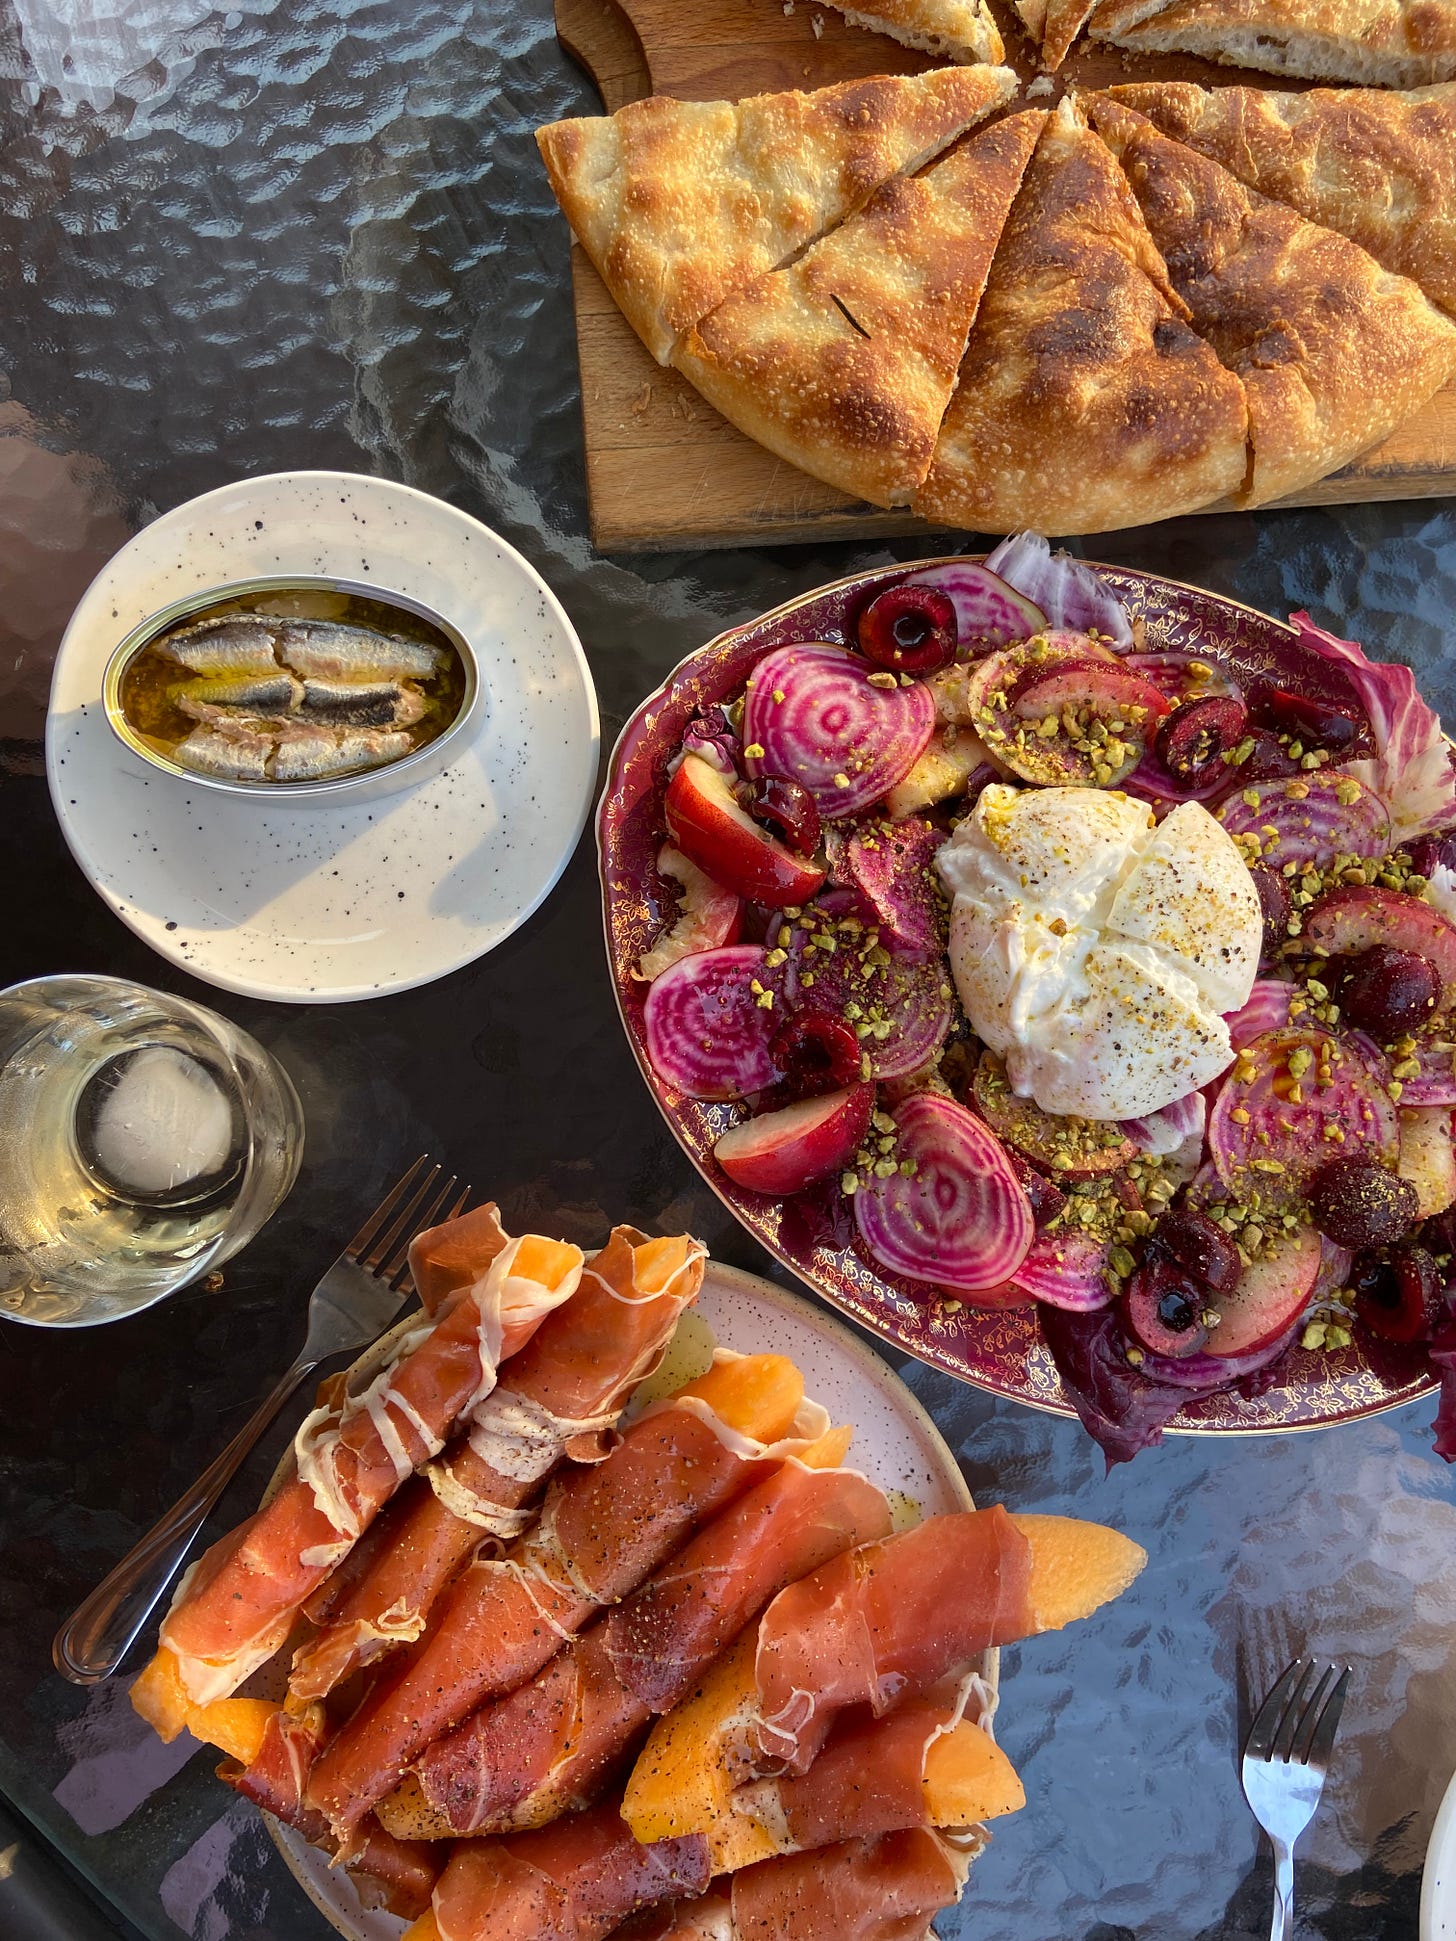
(1065, 19)
(1387, 43)
(1085, 402)
(952, 30)
(1333, 351)
(844, 362)
(681, 203)
(1378, 166)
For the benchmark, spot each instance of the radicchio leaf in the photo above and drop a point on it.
(1412, 769)
(1120, 1409)
(1069, 592)
(1443, 1354)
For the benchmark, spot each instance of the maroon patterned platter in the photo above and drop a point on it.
(998, 1350)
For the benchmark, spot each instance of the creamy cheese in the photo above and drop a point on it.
(1096, 951)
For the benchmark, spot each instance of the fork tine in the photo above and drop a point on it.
(436, 1218)
(403, 1220)
(1309, 1718)
(1322, 1735)
(1266, 1720)
(422, 1214)
(1293, 1712)
(373, 1226)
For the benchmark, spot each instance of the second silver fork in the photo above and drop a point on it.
(354, 1302)
(1286, 1758)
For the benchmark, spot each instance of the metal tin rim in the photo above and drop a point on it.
(146, 631)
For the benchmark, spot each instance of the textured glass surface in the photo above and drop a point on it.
(318, 235)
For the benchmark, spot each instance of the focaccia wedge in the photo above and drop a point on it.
(1033, 18)
(952, 30)
(1332, 350)
(844, 362)
(1383, 43)
(1065, 19)
(681, 203)
(1378, 165)
(1084, 402)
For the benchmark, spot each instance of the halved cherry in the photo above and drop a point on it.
(1274, 906)
(1385, 990)
(1192, 1242)
(788, 807)
(816, 1052)
(1398, 1295)
(1268, 760)
(909, 630)
(1308, 722)
(1165, 1306)
(1359, 1203)
(1195, 737)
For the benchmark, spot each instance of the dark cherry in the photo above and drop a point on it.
(909, 630)
(1267, 761)
(1046, 1200)
(1194, 738)
(1427, 853)
(1357, 1203)
(1165, 1308)
(816, 1053)
(789, 808)
(1384, 990)
(1308, 722)
(1398, 1295)
(1274, 905)
(1191, 1241)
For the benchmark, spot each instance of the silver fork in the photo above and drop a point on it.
(354, 1302)
(1286, 1758)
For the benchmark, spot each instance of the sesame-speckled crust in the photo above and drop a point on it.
(844, 363)
(1333, 351)
(1085, 402)
(1377, 165)
(953, 30)
(681, 203)
(1386, 43)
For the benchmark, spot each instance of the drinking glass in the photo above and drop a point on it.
(143, 1141)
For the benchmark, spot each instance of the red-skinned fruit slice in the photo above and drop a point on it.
(1267, 1133)
(1069, 1147)
(1345, 922)
(1061, 677)
(1112, 689)
(1313, 819)
(707, 823)
(1270, 1295)
(952, 1213)
(820, 716)
(783, 1152)
(708, 1031)
(709, 916)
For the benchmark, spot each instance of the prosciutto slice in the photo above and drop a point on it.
(236, 1606)
(886, 1889)
(562, 1396)
(574, 1881)
(549, 1746)
(885, 1623)
(394, 1874)
(602, 1532)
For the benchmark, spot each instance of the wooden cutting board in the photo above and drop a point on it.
(664, 470)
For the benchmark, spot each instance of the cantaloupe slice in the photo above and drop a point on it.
(683, 1778)
(426, 1928)
(969, 1779)
(759, 1395)
(830, 1450)
(408, 1815)
(234, 1725)
(1076, 1567)
(657, 1263)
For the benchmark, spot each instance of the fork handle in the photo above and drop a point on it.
(94, 1639)
(1283, 1925)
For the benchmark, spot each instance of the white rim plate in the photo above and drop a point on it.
(1438, 1882)
(310, 903)
(895, 1443)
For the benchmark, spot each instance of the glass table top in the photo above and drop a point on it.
(250, 240)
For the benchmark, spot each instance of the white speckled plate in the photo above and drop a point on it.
(1438, 1882)
(895, 1443)
(310, 903)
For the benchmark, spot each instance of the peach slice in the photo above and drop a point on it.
(711, 828)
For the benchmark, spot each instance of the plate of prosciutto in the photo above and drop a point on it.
(1055, 966)
(564, 1608)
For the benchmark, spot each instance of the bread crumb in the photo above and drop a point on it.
(1043, 84)
(788, 6)
(818, 25)
(642, 400)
